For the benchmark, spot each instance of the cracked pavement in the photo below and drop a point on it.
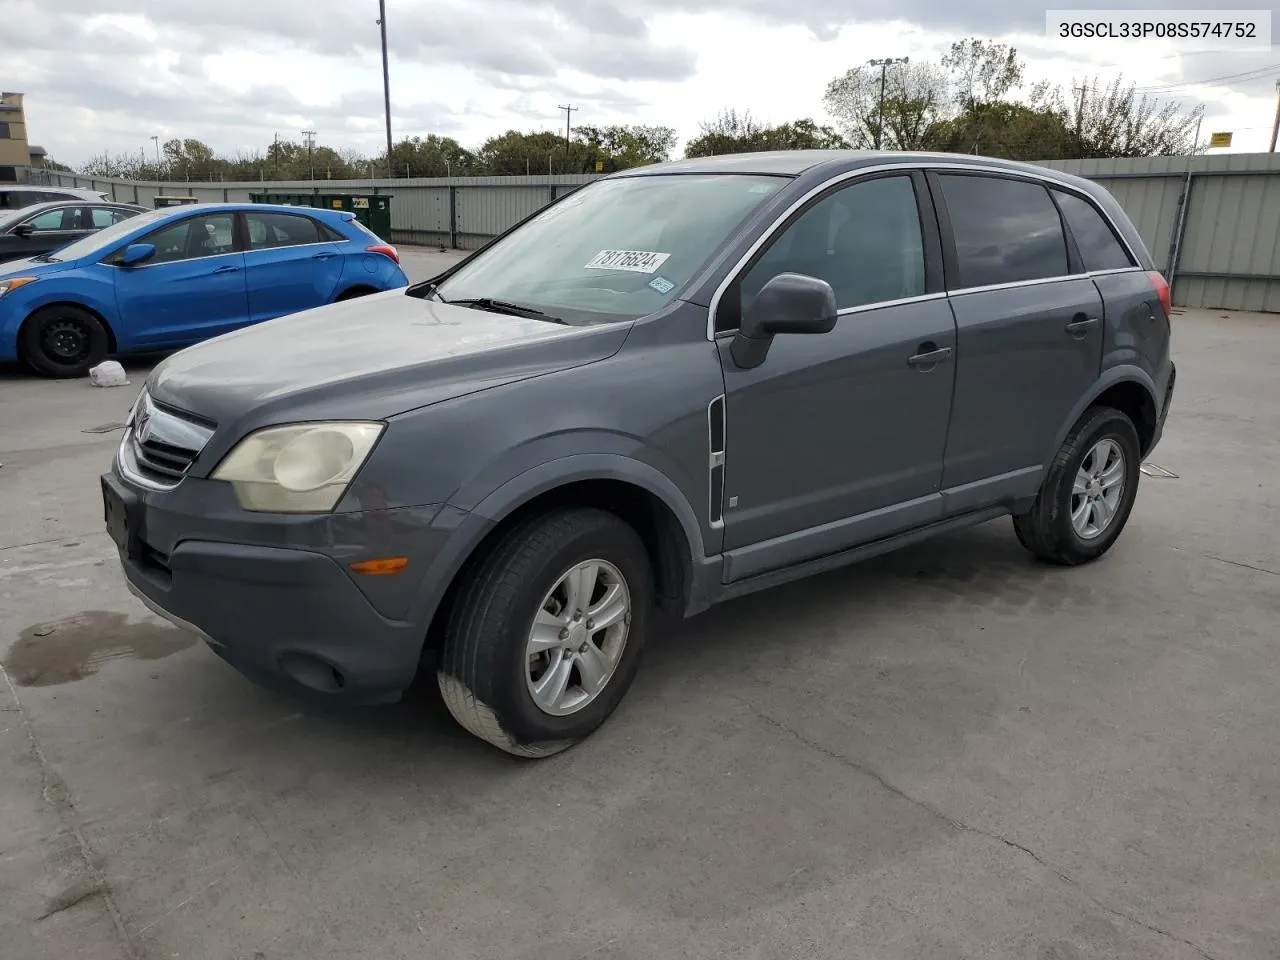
(947, 752)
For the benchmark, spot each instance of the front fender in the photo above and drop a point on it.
(468, 527)
(93, 293)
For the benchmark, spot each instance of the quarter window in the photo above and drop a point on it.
(1099, 248)
(863, 239)
(280, 230)
(204, 236)
(1005, 231)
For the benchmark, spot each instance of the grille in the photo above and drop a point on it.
(160, 444)
(161, 461)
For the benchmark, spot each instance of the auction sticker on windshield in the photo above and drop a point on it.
(636, 261)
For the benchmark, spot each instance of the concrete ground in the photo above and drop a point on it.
(948, 752)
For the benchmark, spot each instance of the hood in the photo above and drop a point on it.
(28, 267)
(371, 357)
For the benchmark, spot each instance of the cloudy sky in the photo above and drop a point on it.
(109, 74)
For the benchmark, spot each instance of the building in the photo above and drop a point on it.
(17, 156)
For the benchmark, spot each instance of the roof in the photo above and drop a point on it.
(792, 163)
(239, 205)
(23, 212)
(37, 151)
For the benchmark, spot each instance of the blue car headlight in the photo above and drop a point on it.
(13, 283)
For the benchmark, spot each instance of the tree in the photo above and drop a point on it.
(1114, 121)
(621, 147)
(430, 156)
(515, 154)
(731, 132)
(917, 95)
(980, 71)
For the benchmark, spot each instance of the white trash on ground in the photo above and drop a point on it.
(108, 374)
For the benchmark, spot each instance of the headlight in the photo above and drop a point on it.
(302, 468)
(13, 283)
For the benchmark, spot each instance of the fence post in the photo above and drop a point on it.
(226, 195)
(453, 217)
(135, 194)
(1179, 230)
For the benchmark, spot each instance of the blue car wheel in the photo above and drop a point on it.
(63, 341)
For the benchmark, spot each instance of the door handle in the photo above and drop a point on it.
(227, 268)
(1081, 325)
(929, 355)
(323, 256)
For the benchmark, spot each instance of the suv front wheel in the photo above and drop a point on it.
(546, 634)
(1088, 492)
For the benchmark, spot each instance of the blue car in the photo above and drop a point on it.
(175, 276)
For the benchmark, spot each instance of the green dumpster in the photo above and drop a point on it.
(173, 201)
(373, 210)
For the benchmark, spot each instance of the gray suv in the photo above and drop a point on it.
(675, 386)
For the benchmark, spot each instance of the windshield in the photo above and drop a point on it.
(88, 246)
(614, 250)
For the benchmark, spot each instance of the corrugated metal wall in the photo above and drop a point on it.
(1228, 256)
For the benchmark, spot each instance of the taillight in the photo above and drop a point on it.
(1162, 290)
(385, 249)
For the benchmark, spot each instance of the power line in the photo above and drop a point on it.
(1183, 84)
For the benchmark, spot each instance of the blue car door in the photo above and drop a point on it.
(193, 287)
(290, 263)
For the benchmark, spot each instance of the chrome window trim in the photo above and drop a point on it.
(169, 263)
(1046, 179)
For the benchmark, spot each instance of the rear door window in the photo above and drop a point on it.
(106, 216)
(1099, 247)
(268, 230)
(1005, 231)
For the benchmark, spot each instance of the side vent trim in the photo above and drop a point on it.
(716, 448)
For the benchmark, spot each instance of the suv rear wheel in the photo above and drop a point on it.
(546, 634)
(1088, 493)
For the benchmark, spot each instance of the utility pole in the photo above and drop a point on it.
(568, 111)
(884, 69)
(1275, 127)
(309, 138)
(386, 79)
(276, 155)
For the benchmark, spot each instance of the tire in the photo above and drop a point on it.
(486, 672)
(63, 341)
(1048, 529)
(353, 293)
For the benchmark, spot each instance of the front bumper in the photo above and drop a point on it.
(285, 617)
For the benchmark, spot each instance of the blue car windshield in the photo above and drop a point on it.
(88, 246)
(616, 249)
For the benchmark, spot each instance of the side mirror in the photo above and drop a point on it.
(789, 303)
(23, 230)
(136, 253)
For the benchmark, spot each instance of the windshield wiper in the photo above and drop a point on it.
(45, 258)
(503, 306)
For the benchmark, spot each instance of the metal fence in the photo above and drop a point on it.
(1211, 223)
